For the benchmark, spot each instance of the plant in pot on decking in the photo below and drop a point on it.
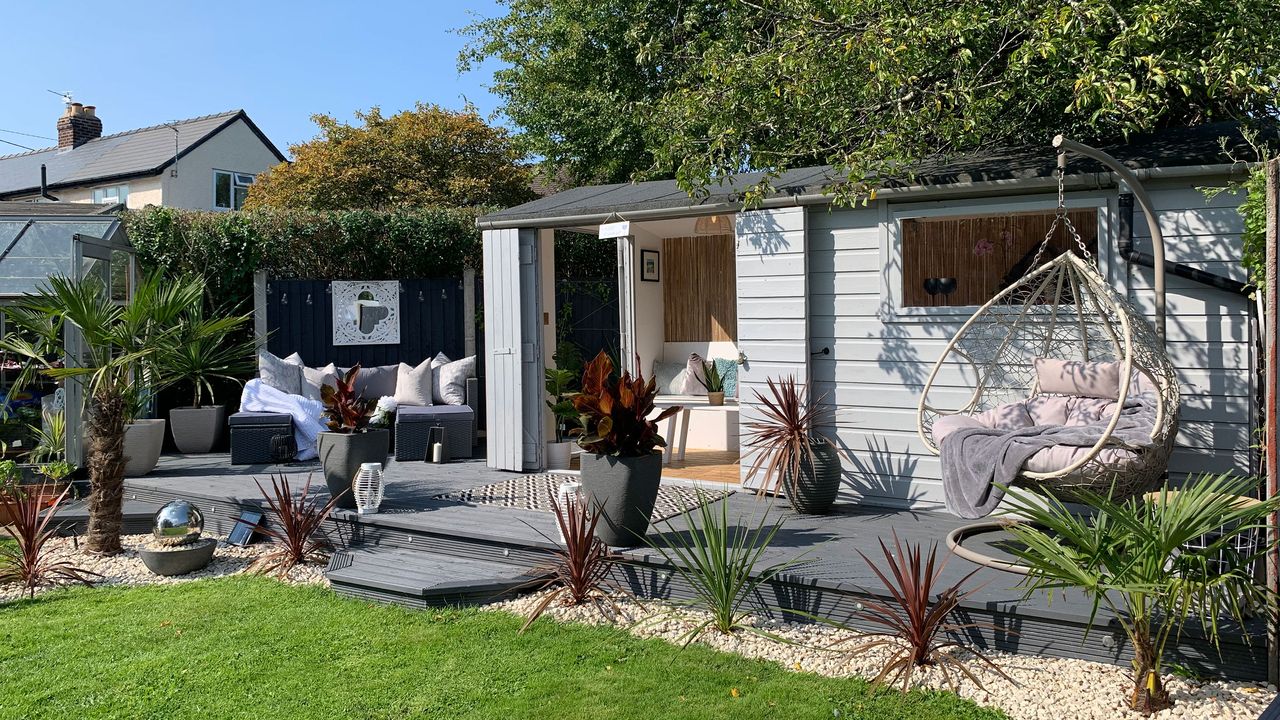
(349, 441)
(208, 349)
(794, 458)
(559, 383)
(622, 465)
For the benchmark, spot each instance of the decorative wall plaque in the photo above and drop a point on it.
(366, 312)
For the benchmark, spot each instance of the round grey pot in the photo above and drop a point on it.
(181, 559)
(819, 483)
(197, 429)
(341, 454)
(625, 489)
(143, 440)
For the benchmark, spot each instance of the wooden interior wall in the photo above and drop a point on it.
(979, 251)
(699, 289)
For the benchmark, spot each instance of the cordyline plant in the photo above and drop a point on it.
(295, 528)
(578, 572)
(615, 411)
(1152, 562)
(916, 625)
(784, 436)
(28, 562)
(345, 411)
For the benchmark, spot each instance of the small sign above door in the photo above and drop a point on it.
(622, 228)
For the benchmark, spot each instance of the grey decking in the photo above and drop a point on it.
(491, 546)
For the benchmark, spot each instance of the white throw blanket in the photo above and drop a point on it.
(261, 397)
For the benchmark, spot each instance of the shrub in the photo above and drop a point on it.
(578, 572)
(615, 411)
(28, 561)
(296, 527)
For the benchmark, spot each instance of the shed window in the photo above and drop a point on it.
(230, 189)
(965, 261)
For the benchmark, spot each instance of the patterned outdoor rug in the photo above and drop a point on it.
(535, 492)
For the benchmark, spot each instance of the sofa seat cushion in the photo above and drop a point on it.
(432, 413)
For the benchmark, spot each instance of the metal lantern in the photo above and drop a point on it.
(568, 495)
(177, 523)
(367, 488)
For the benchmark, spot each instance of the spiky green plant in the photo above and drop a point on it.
(1137, 559)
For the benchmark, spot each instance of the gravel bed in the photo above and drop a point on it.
(127, 568)
(1042, 688)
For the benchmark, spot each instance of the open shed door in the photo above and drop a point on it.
(512, 333)
(773, 309)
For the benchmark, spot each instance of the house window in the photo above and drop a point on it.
(230, 189)
(113, 194)
(965, 261)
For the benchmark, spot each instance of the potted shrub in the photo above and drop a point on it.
(350, 441)
(622, 465)
(793, 457)
(560, 401)
(208, 349)
(713, 381)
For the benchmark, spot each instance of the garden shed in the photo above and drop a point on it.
(859, 302)
(39, 240)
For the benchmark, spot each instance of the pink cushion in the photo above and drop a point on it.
(1082, 379)
(1006, 417)
(948, 424)
(1048, 409)
(1053, 459)
(695, 371)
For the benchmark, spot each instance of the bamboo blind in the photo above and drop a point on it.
(699, 289)
(980, 251)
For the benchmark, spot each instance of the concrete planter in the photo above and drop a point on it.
(625, 489)
(819, 483)
(197, 429)
(143, 440)
(342, 454)
(559, 455)
(180, 559)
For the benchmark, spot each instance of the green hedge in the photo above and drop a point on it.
(228, 247)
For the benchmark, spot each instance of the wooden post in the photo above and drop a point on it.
(1271, 379)
(260, 308)
(469, 311)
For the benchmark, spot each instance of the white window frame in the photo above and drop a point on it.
(892, 215)
(122, 194)
(236, 182)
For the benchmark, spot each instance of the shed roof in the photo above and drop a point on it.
(145, 151)
(1201, 145)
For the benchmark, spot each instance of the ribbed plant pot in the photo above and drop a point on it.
(715, 398)
(197, 429)
(559, 455)
(143, 440)
(180, 559)
(341, 455)
(819, 483)
(625, 489)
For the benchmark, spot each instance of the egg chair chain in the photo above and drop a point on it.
(1060, 217)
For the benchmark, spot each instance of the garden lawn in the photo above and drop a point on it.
(249, 647)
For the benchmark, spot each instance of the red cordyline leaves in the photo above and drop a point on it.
(295, 527)
(783, 436)
(917, 626)
(580, 569)
(31, 525)
(615, 411)
(344, 410)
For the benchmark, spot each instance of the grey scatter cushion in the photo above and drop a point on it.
(375, 382)
(315, 378)
(450, 381)
(413, 384)
(670, 378)
(283, 374)
(440, 359)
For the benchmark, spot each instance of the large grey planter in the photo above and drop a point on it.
(181, 559)
(341, 454)
(625, 489)
(143, 440)
(197, 429)
(819, 483)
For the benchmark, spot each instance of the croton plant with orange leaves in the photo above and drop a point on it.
(615, 411)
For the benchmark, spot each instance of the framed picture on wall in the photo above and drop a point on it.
(650, 266)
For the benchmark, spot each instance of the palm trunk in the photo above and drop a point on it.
(1149, 694)
(106, 472)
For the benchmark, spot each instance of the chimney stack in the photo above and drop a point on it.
(78, 125)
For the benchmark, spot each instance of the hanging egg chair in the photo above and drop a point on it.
(1062, 310)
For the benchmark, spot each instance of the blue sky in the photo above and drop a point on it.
(144, 63)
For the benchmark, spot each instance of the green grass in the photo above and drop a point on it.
(253, 648)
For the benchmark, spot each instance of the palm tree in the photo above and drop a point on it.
(110, 348)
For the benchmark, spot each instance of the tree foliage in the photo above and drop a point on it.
(707, 90)
(428, 156)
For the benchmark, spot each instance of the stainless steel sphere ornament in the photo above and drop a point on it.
(177, 523)
(367, 488)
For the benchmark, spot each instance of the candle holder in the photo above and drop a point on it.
(436, 451)
(368, 488)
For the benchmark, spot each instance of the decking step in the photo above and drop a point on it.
(420, 580)
(138, 517)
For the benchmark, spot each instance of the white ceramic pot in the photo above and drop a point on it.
(559, 455)
(143, 440)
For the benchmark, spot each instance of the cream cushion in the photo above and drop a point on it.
(413, 384)
(1083, 379)
(313, 379)
(283, 374)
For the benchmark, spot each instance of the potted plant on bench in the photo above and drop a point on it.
(713, 381)
(560, 401)
(208, 349)
(350, 441)
(622, 467)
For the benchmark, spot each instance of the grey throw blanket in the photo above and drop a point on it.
(976, 461)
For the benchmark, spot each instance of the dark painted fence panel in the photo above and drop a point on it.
(589, 308)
